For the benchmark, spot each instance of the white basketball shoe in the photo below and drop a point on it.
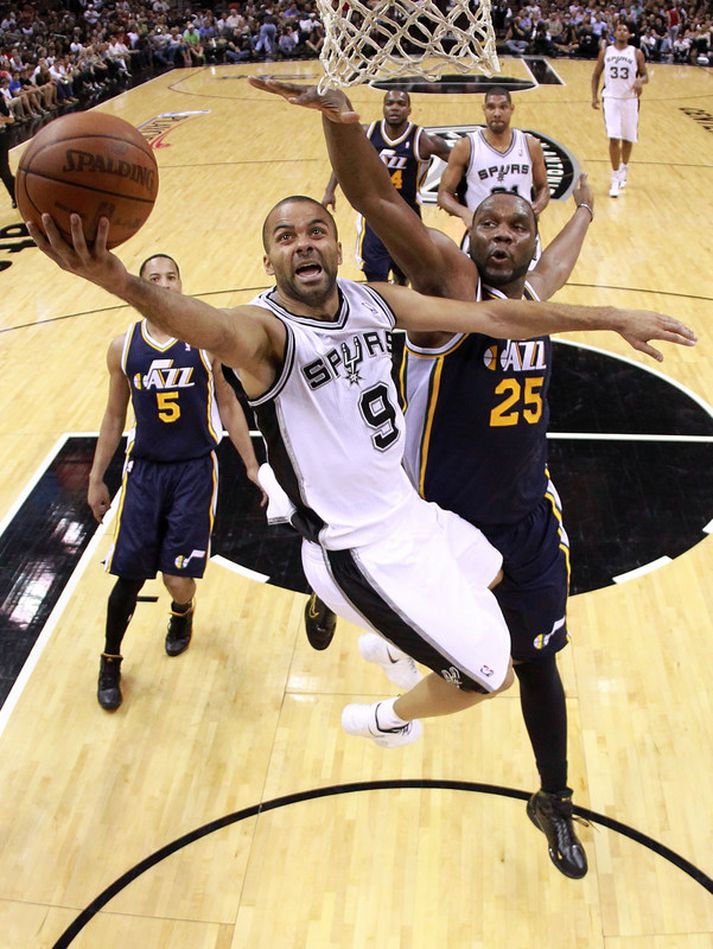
(623, 176)
(362, 720)
(398, 667)
(615, 185)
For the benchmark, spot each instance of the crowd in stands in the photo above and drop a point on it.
(54, 54)
(668, 31)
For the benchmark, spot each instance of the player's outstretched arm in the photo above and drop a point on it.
(523, 319)
(244, 337)
(557, 262)
(365, 180)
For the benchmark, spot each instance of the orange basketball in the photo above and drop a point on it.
(94, 165)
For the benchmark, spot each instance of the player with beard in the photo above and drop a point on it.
(487, 464)
(314, 357)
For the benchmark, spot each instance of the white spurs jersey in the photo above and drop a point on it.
(490, 170)
(332, 422)
(620, 69)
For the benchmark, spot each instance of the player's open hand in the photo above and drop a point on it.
(94, 263)
(332, 103)
(639, 326)
(582, 193)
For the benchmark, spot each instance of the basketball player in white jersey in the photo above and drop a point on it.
(491, 159)
(624, 70)
(313, 354)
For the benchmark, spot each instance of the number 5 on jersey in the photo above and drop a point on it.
(168, 408)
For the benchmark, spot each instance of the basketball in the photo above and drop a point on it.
(94, 165)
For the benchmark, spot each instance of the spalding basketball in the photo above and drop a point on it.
(94, 165)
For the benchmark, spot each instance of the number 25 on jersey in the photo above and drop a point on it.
(522, 399)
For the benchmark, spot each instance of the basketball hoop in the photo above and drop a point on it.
(370, 39)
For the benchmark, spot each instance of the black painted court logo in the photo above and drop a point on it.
(703, 118)
(561, 165)
(630, 452)
(13, 239)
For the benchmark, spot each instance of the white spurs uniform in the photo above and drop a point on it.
(490, 170)
(374, 551)
(619, 100)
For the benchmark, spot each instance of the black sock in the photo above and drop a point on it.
(181, 607)
(120, 609)
(545, 713)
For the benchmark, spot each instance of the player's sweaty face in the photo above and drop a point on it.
(303, 251)
(502, 238)
(396, 108)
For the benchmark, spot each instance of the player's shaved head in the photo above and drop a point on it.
(498, 198)
(274, 213)
(400, 93)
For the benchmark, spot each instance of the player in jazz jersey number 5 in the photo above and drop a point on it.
(170, 484)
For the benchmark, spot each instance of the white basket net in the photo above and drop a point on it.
(383, 39)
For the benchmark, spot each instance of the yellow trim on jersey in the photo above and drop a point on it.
(128, 336)
(154, 343)
(390, 141)
(402, 377)
(441, 352)
(426, 439)
(214, 498)
(558, 515)
(210, 402)
(117, 526)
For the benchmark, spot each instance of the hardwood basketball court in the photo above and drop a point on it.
(427, 846)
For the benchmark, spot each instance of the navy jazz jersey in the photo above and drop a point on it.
(402, 156)
(407, 168)
(172, 395)
(476, 423)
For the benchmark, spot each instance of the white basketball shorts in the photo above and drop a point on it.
(424, 587)
(621, 117)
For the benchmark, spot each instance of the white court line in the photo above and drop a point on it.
(238, 568)
(550, 66)
(628, 437)
(641, 571)
(54, 617)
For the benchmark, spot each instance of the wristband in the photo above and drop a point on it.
(587, 207)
